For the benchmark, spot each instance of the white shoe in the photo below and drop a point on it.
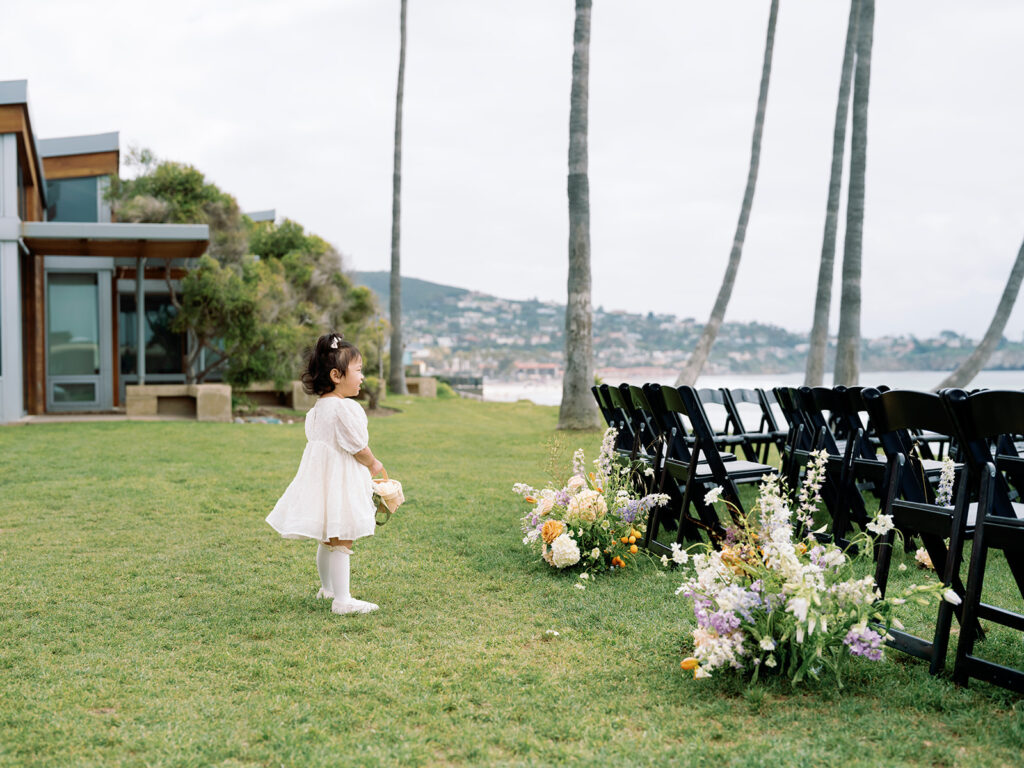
(323, 594)
(351, 605)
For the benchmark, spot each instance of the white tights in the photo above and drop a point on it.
(334, 580)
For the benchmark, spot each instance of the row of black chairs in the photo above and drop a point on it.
(668, 429)
(886, 443)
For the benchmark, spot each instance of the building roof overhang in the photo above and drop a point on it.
(125, 241)
(14, 118)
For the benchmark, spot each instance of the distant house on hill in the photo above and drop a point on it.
(532, 370)
(70, 282)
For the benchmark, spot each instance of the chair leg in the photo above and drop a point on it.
(975, 579)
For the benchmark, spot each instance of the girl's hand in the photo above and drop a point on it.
(376, 468)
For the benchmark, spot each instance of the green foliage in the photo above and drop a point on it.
(261, 293)
(445, 391)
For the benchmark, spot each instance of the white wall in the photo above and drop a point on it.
(11, 399)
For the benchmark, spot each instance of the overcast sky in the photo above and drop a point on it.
(291, 106)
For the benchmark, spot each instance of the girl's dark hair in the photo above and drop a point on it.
(330, 351)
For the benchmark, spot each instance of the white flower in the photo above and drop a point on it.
(712, 496)
(767, 644)
(903, 567)
(679, 555)
(944, 496)
(881, 525)
(544, 506)
(576, 483)
(951, 597)
(624, 471)
(700, 672)
(551, 632)
(579, 586)
(587, 507)
(564, 551)
(770, 662)
(664, 560)
(649, 471)
(595, 553)
(584, 576)
(797, 606)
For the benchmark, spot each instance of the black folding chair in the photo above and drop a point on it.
(800, 434)
(755, 443)
(934, 523)
(696, 469)
(992, 532)
(985, 424)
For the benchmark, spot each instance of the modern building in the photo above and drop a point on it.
(72, 280)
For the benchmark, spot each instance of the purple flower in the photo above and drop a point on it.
(562, 498)
(864, 642)
(723, 622)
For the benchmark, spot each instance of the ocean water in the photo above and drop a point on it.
(550, 393)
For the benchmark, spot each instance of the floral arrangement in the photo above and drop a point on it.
(776, 600)
(596, 520)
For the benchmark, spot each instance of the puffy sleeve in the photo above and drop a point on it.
(350, 427)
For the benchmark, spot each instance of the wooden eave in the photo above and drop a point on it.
(89, 164)
(14, 119)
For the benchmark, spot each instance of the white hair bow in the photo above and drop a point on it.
(334, 343)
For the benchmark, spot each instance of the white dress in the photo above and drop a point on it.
(331, 495)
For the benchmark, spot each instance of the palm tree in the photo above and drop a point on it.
(823, 299)
(692, 368)
(848, 346)
(969, 368)
(396, 377)
(578, 409)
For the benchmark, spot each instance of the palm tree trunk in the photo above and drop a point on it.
(699, 356)
(815, 373)
(848, 344)
(578, 409)
(970, 367)
(396, 378)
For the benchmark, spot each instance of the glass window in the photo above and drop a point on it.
(73, 324)
(165, 347)
(77, 392)
(21, 193)
(73, 199)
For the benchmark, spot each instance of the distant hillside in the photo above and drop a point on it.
(416, 294)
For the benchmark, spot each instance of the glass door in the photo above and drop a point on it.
(77, 341)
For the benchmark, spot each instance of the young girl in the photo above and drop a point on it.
(330, 498)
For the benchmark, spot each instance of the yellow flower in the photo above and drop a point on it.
(551, 530)
(689, 663)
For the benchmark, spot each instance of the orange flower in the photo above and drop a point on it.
(625, 539)
(618, 562)
(689, 663)
(633, 549)
(551, 530)
(529, 499)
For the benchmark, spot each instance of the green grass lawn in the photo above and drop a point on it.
(148, 616)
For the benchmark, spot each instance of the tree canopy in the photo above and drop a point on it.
(261, 293)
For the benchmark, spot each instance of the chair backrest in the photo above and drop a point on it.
(733, 398)
(982, 420)
(603, 405)
(815, 402)
(639, 426)
(672, 427)
(768, 400)
(713, 402)
(626, 440)
(786, 397)
(896, 415)
(683, 401)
